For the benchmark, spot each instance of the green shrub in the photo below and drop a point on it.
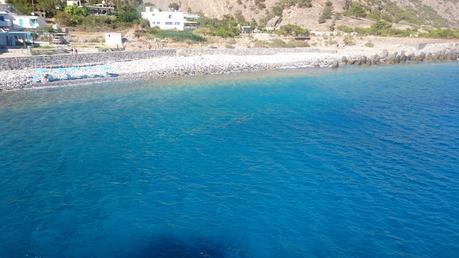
(260, 4)
(349, 40)
(101, 23)
(128, 15)
(380, 28)
(174, 6)
(369, 44)
(442, 34)
(260, 44)
(179, 36)
(327, 13)
(292, 30)
(345, 29)
(356, 10)
(227, 27)
(62, 18)
(71, 16)
(281, 5)
(278, 43)
(76, 11)
(22, 6)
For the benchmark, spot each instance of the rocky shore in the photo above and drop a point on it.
(205, 61)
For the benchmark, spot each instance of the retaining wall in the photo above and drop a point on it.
(17, 63)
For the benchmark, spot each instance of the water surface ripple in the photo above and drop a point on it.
(349, 163)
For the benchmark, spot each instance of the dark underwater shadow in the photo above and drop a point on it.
(199, 247)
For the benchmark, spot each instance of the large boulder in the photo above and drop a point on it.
(376, 59)
(421, 57)
(334, 64)
(402, 57)
(384, 53)
(429, 56)
(391, 58)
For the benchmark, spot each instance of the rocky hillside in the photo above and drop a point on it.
(318, 15)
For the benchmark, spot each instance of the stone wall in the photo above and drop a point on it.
(17, 63)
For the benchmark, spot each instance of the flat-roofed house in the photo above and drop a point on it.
(170, 20)
(25, 22)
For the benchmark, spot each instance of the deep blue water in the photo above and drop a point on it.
(348, 163)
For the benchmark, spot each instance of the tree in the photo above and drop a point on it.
(381, 27)
(128, 14)
(174, 6)
(22, 6)
(76, 11)
(356, 10)
(327, 12)
(62, 18)
(292, 30)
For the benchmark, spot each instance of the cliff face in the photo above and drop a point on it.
(438, 13)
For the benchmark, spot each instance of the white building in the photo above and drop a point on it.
(73, 2)
(2, 1)
(170, 20)
(11, 21)
(113, 40)
(26, 22)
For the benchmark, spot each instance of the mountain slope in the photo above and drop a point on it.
(437, 13)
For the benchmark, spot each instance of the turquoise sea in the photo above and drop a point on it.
(356, 162)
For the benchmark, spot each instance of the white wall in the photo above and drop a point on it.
(164, 20)
(26, 22)
(113, 40)
(73, 2)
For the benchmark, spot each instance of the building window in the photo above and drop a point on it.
(170, 16)
(177, 23)
(169, 23)
(2, 18)
(158, 22)
(32, 23)
(21, 22)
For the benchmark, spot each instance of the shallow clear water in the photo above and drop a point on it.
(348, 163)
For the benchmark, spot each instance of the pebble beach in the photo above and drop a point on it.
(204, 62)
